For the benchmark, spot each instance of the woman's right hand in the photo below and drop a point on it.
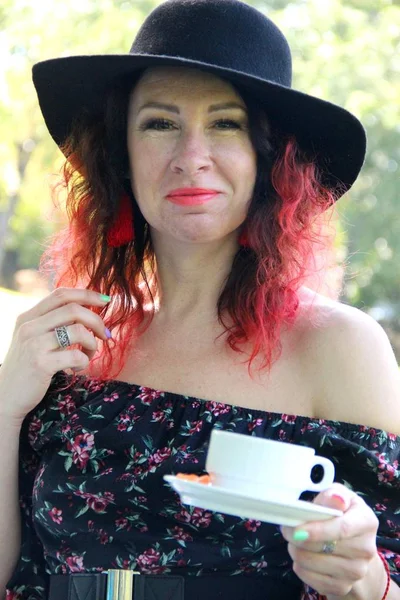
(34, 355)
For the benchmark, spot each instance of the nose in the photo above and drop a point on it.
(192, 153)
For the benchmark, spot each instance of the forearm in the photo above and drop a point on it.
(10, 521)
(372, 586)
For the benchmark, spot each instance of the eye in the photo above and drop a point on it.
(157, 125)
(227, 124)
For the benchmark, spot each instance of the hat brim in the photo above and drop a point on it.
(329, 134)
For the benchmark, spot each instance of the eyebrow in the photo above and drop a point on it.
(173, 108)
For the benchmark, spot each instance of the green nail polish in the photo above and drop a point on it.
(105, 298)
(300, 535)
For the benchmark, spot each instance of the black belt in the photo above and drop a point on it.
(118, 584)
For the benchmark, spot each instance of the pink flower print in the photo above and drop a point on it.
(181, 563)
(392, 437)
(282, 434)
(122, 523)
(103, 537)
(393, 527)
(252, 525)
(397, 562)
(245, 566)
(387, 471)
(262, 564)
(159, 457)
(381, 507)
(93, 385)
(81, 448)
(201, 518)
(147, 395)
(255, 423)
(183, 515)
(66, 405)
(217, 408)
(196, 427)
(289, 418)
(56, 515)
(38, 481)
(99, 503)
(158, 416)
(179, 534)
(75, 564)
(149, 562)
(10, 595)
(124, 421)
(34, 428)
(111, 397)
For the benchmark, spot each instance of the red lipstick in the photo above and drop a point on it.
(191, 196)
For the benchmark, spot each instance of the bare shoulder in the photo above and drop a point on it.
(352, 363)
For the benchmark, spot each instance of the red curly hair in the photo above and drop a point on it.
(285, 228)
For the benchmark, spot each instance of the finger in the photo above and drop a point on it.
(63, 316)
(60, 297)
(358, 521)
(359, 549)
(330, 565)
(324, 584)
(78, 334)
(74, 359)
(336, 496)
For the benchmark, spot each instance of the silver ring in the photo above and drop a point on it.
(329, 547)
(62, 337)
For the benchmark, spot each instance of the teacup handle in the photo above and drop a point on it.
(329, 474)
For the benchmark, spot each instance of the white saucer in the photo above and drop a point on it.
(232, 503)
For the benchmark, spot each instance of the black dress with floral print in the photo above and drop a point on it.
(92, 461)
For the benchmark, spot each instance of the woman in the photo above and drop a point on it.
(197, 183)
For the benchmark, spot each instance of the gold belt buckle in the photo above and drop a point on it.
(120, 584)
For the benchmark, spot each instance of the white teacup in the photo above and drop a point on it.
(264, 468)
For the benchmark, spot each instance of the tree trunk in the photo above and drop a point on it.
(24, 150)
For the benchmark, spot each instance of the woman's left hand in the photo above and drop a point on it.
(339, 558)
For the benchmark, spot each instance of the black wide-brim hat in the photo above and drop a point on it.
(230, 39)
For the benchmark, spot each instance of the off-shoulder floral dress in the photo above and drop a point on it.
(92, 461)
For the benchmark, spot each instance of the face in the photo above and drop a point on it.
(193, 166)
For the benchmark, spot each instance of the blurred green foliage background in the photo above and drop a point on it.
(345, 51)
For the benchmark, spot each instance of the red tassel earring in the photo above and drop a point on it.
(243, 239)
(122, 232)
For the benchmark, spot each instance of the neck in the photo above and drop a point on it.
(190, 278)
